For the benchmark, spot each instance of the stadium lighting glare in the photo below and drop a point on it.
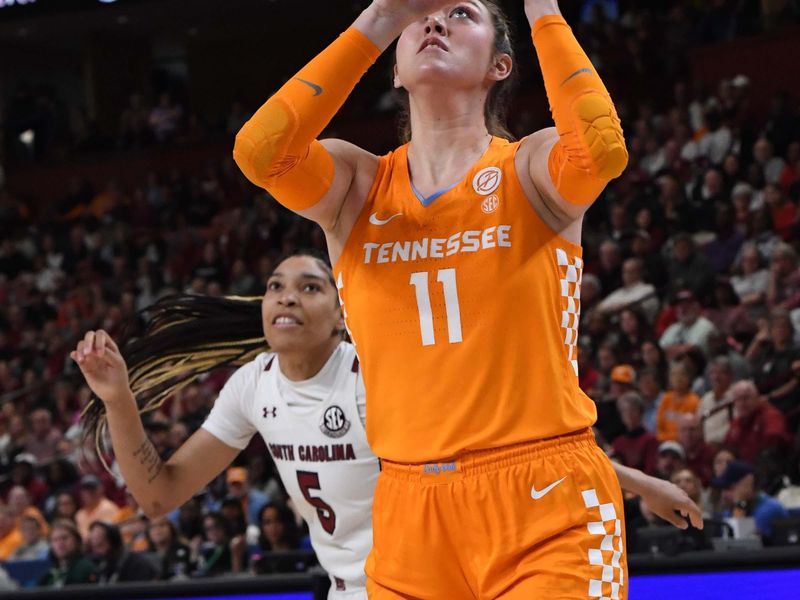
(27, 137)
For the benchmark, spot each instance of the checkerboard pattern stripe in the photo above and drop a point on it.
(607, 574)
(571, 270)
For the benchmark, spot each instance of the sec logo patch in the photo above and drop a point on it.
(490, 204)
(487, 180)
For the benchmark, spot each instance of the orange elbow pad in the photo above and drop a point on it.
(591, 148)
(277, 148)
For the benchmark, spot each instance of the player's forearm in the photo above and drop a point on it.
(591, 148)
(141, 466)
(630, 480)
(277, 149)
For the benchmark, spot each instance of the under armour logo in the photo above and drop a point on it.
(270, 411)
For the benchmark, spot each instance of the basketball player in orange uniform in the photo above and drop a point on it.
(458, 262)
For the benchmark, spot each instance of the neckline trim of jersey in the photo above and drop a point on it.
(426, 202)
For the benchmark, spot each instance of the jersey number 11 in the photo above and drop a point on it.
(447, 277)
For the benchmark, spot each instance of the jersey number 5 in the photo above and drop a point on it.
(309, 480)
(447, 277)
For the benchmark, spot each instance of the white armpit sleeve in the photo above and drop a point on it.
(230, 419)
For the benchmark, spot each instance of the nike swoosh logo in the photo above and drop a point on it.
(537, 495)
(373, 218)
(317, 89)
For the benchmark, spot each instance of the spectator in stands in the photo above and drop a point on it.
(34, 544)
(61, 476)
(716, 406)
(688, 269)
(19, 501)
(784, 212)
(772, 166)
(790, 177)
(252, 500)
(94, 505)
(174, 554)
(44, 438)
(278, 533)
(609, 273)
(724, 248)
(651, 393)
(70, 566)
(671, 458)
(636, 447)
(622, 379)
(691, 329)
(65, 507)
(654, 271)
(738, 486)
(751, 285)
(727, 315)
(691, 484)
(215, 552)
(190, 521)
(10, 537)
(113, 561)
(22, 473)
(783, 290)
(654, 357)
(634, 293)
(633, 330)
(707, 192)
(132, 524)
(699, 455)
(757, 425)
(678, 400)
(771, 354)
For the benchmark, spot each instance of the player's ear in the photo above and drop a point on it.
(501, 67)
(396, 78)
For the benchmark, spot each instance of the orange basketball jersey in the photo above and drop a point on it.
(464, 314)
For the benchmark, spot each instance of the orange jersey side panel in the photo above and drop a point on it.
(464, 314)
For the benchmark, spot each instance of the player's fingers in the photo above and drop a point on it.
(100, 341)
(674, 518)
(88, 342)
(112, 345)
(694, 513)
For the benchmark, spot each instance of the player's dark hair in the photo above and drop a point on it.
(184, 337)
(497, 103)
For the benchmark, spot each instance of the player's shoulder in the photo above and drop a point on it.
(346, 357)
(249, 372)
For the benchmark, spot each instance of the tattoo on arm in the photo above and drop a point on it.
(149, 459)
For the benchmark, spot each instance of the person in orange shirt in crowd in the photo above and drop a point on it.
(678, 400)
(19, 501)
(132, 524)
(94, 505)
(10, 537)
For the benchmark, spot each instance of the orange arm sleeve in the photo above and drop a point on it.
(277, 148)
(591, 149)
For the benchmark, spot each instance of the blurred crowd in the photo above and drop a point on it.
(689, 336)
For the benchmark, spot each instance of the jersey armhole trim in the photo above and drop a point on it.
(383, 166)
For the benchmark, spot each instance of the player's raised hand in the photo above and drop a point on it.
(671, 503)
(101, 363)
(411, 10)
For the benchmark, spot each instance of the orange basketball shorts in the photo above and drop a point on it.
(536, 520)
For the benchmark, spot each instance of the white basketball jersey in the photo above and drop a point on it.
(325, 464)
